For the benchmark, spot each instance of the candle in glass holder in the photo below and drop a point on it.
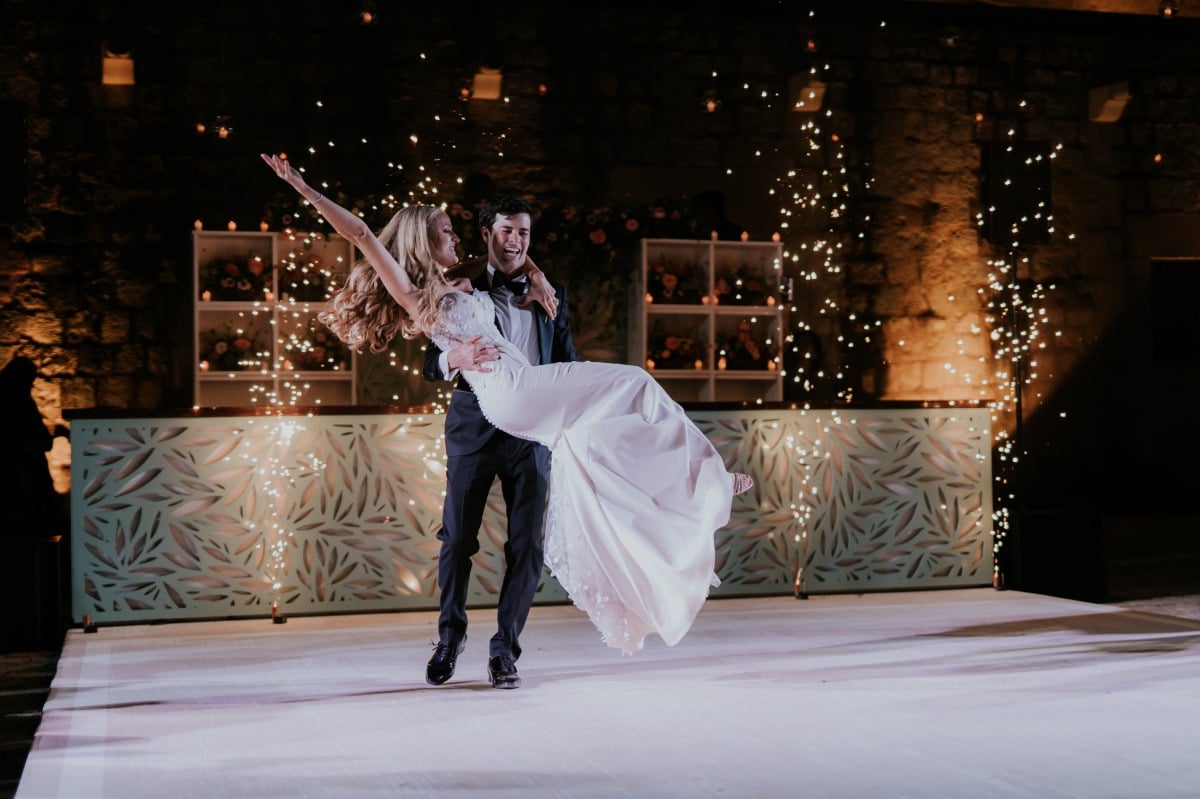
(204, 366)
(775, 236)
(745, 236)
(699, 364)
(721, 362)
(650, 363)
(206, 295)
(263, 226)
(232, 225)
(198, 225)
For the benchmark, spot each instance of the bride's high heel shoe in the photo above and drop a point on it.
(742, 483)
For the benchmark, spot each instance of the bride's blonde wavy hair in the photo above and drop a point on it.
(364, 313)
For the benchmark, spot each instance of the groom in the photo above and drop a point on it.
(477, 453)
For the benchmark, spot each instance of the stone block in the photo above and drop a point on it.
(129, 359)
(58, 362)
(77, 393)
(80, 328)
(41, 328)
(94, 359)
(149, 393)
(30, 293)
(904, 381)
(114, 328)
(115, 392)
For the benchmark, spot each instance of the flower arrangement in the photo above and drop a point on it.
(746, 349)
(741, 286)
(315, 349)
(674, 347)
(675, 283)
(233, 278)
(228, 350)
(303, 278)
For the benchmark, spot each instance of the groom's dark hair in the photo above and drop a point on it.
(504, 205)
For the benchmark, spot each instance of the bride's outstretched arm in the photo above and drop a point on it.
(355, 230)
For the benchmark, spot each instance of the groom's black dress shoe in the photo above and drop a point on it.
(441, 665)
(503, 672)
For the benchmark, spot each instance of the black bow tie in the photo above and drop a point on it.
(515, 283)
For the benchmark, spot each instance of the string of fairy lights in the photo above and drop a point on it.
(1019, 328)
(816, 218)
(819, 228)
(311, 283)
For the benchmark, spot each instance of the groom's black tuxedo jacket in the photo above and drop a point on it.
(466, 428)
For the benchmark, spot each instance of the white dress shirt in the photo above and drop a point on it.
(516, 324)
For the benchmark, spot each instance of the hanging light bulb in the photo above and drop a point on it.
(1168, 9)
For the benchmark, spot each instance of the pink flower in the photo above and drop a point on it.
(631, 224)
(598, 236)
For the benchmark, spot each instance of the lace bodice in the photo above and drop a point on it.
(462, 315)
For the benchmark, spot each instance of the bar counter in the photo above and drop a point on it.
(241, 512)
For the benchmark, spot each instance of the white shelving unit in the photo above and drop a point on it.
(257, 339)
(710, 327)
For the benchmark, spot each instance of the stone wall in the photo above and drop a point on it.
(95, 282)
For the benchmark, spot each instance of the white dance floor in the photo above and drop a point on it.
(965, 693)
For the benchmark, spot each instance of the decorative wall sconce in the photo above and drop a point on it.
(806, 93)
(1107, 103)
(486, 84)
(116, 66)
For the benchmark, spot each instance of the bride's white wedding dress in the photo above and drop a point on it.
(636, 490)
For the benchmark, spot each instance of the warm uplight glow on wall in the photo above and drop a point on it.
(486, 85)
(116, 69)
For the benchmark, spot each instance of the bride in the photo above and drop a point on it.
(636, 490)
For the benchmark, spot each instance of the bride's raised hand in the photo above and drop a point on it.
(540, 290)
(284, 171)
